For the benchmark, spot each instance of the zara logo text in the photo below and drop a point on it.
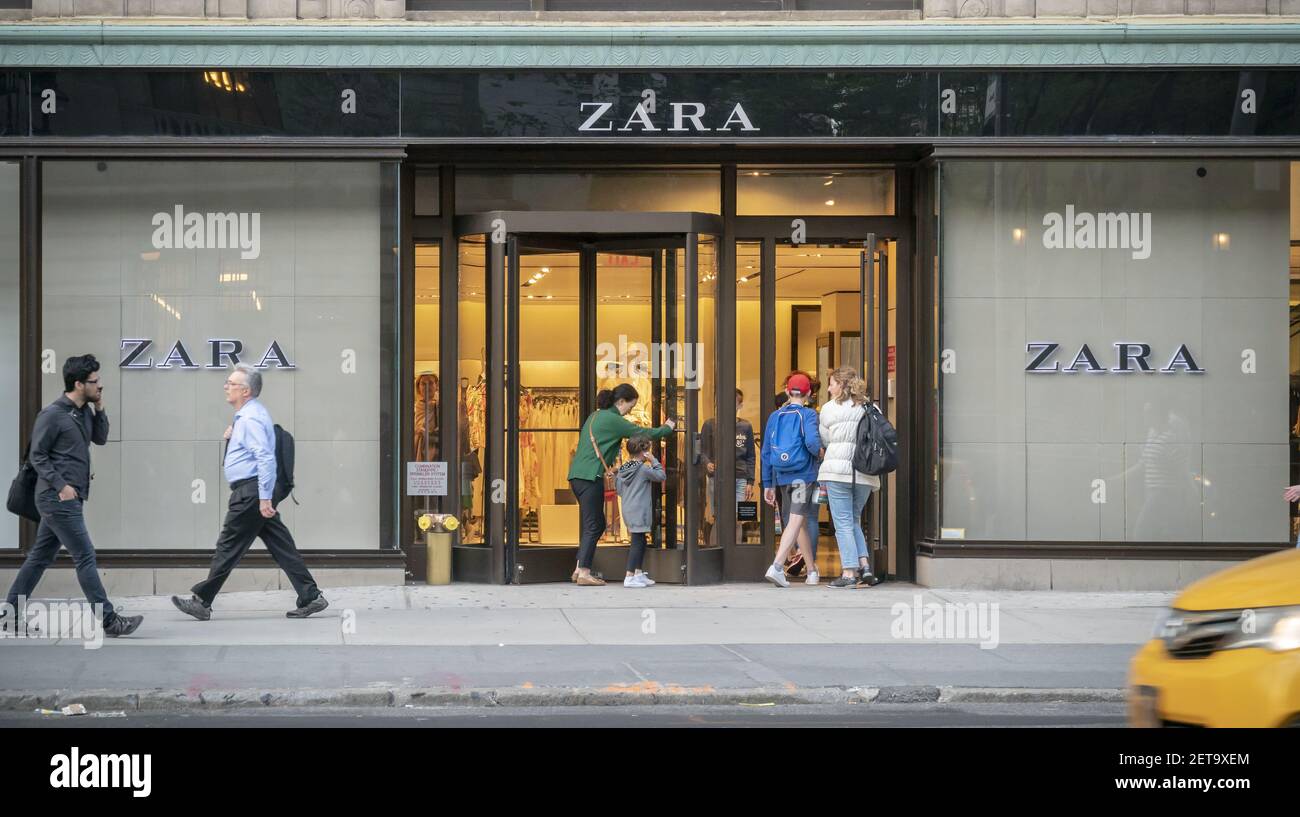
(1129, 357)
(683, 112)
(223, 353)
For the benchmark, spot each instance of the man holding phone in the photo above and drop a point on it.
(60, 453)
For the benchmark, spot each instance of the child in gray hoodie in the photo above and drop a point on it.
(633, 481)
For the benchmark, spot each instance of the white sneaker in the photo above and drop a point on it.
(635, 581)
(776, 576)
(813, 578)
(645, 577)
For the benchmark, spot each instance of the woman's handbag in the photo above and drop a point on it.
(611, 484)
(22, 491)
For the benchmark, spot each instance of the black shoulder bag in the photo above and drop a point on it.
(22, 491)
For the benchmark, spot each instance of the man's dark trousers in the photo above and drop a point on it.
(62, 522)
(244, 523)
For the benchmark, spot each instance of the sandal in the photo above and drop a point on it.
(590, 581)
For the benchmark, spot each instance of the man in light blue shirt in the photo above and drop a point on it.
(250, 469)
(250, 451)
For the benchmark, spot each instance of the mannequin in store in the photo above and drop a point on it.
(470, 469)
(426, 417)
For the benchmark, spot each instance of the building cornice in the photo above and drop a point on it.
(879, 45)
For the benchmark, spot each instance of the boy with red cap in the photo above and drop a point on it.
(791, 445)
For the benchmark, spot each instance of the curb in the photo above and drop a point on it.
(163, 700)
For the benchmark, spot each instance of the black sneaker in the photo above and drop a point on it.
(867, 579)
(314, 606)
(122, 625)
(193, 607)
(844, 581)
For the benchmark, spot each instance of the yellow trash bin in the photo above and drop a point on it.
(439, 549)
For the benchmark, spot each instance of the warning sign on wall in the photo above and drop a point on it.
(426, 479)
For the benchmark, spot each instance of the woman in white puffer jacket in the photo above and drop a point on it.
(838, 424)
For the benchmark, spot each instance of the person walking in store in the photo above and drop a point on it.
(60, 454)
(744, 476)
(791, 443)
(250, 468)
(634, 481)
(798, 566)
(596, 457)
(847, 491)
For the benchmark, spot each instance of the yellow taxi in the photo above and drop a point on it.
(1227, 653)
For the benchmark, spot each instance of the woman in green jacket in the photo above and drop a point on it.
(599, 442)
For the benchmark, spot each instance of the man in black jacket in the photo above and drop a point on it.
(708, 461)
(60, 453)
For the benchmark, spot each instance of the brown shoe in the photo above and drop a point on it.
(590, 581)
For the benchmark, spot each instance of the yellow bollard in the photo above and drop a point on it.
(439, 531)
(439, 549)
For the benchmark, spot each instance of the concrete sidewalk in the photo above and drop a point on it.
(561, 644)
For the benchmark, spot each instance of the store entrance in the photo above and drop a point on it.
(591, 300)
(813, 305)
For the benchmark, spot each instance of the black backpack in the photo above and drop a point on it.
(283, 467)
(875, 445)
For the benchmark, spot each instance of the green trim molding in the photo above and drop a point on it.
(107, 44)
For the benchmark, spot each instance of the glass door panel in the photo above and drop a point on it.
(751, 403)
(625, 345)
(709, 442)
(427, 414)
(471, 389)
(549, 355)
(819, 311)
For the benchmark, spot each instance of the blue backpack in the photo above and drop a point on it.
(786, 447)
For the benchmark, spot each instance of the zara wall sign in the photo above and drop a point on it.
(223, 353)
(1129, 357)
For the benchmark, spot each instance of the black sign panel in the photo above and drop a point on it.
(214, 103)
(13, 104)
(746, 511)
(723, 105)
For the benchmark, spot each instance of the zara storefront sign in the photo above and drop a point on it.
(1129, 357)
(223, 353)
(641, 119)
(179, 230)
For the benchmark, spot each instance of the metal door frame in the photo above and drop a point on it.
(591, 232)
(747, 562)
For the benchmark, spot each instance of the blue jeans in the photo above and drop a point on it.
(847, 502)
(62, 523)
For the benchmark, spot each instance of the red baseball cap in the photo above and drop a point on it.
(798, 384)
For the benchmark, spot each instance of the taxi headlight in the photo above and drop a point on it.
(1286, 632)
(1274, 628)
(1162, 626)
